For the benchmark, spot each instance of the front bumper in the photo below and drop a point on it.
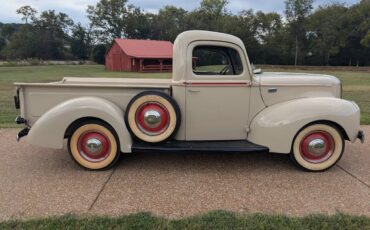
(361, 136)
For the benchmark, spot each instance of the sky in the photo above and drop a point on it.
(76, 9)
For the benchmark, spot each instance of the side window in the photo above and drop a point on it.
(216, 60)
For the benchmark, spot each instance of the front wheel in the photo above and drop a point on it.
(318, 147)
(93, 145)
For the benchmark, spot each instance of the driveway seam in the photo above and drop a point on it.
(101, 190)
(354, 176)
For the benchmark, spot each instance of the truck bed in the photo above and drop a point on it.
(38, 98)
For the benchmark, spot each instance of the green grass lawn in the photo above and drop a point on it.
(213, 220)
(356, 85)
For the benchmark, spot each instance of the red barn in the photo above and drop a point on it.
(139, 56)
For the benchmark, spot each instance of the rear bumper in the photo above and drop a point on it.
(24, 132)
(20, 120)
(361, 136)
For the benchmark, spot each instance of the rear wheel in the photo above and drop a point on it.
(93, 145)
(318, 147)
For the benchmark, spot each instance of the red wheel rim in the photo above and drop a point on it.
(93, 146)
(317, 147)
(152, 118)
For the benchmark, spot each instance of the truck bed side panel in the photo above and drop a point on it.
(38, 99)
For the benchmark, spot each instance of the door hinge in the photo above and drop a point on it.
(247, 129)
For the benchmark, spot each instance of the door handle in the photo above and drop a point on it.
(193, 91)
(272, 90)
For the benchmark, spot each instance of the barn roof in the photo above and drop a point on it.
(145, 48)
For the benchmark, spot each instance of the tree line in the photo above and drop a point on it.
(332, 34)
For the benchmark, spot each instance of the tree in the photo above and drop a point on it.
(26, 43)
(109, 19)
(357, 27)
(8, 30)
(2, 45)
(98, 53)
(80, 42)
(296, 12)
(138, 24)
(28, 13)
(365, 41)
(209, 16)
(53, 29)
(268, 24)
(272, 36)
(46, 37)
(169, 22)
(326, 26)
(334, 34)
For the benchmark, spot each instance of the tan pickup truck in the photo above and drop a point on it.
(214, 102)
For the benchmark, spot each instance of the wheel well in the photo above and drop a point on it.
(331, 123)
(75, 123)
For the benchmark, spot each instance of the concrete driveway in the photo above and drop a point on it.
(37, 182)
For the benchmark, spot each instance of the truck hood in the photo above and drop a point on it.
(279, 87)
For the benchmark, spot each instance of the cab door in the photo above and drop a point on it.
(217, 92)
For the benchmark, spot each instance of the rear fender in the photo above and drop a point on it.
(276, 126)
(49, 130)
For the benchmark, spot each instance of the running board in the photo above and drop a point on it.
(199, 146)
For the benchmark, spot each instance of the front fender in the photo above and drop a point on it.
(48, 131)
(277, 125)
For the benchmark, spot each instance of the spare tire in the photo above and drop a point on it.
(153, 117)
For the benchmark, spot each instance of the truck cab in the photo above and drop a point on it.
(214, 102)
(212, 78)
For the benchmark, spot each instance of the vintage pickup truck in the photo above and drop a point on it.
(214, 102)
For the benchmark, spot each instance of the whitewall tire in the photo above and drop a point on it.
(318, 147)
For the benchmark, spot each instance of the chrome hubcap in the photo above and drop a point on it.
(317, 147)
(152, 118)
(94, 145)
